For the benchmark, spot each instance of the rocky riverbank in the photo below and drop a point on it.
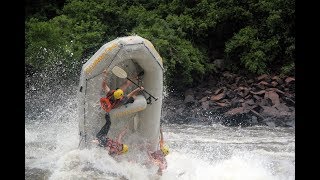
(235, 100)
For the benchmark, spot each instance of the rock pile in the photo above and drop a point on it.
(236, 100)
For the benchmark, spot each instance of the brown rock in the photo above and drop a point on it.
(218, 97)
(246, 91)
(258, 92)
(241, 94)
(229, 86)
(224, 100)
(230, 94)
(262, 77)
(205, 105)
(289, 101)
(285, 113)
(248, 106)
(247, 97)
(275, 89)
(222, 104)
(282, 107)
(218, 91)
(243, 84)
(274, 83)
(240, 88)
(260, 86)
(233, 86)
(256, 97)
(242, 91)
(249, 102)
(234, 102)
(237, 80)
(245, 105)
(273, 96)
(238, 110)
(264, 83)
(198, 96)
(277, 79)
(289, 79)
(270, 111)
(264, 102)
(206, 98)
(250, 81)
(227, 74)
(256, 113)
(257, 108)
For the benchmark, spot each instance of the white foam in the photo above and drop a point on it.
(216, 153)
(238, 167)
(95, 164)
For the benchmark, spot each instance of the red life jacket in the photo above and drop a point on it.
(106, 103)
(114, 146)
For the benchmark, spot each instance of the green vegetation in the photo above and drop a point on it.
(255, 36)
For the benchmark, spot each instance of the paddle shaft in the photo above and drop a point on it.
(119, 72)
(143, 90)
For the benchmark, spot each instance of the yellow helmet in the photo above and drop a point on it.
(124, 148)
(165, 150)
(118, 94)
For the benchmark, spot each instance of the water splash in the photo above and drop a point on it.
(197, 152)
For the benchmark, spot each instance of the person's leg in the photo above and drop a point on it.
(102, 134)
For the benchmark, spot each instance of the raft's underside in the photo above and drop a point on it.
(133, 54)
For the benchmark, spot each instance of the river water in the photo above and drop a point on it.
(197, 152)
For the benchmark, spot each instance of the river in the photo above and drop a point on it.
(197, 152)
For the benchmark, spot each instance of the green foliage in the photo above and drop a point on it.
(65, 39)
(288, 69)
(252, 50)
(43, 43)
(43, 9)
(184, 63)
(257, 36)
(267, 40)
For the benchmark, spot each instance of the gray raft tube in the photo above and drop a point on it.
(120, 52)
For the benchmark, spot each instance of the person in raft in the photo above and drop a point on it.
(114, 99)
(114, 147)
(158, 157)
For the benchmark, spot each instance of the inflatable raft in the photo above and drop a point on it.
(133, 54)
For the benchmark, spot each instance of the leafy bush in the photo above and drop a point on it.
(257, 36)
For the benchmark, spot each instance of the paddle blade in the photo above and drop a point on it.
(119, 72)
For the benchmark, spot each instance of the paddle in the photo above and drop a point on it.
(116, 70)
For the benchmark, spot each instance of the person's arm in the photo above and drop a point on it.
(104, 85)
(149, 155)
(125, 85)
(161, 138)
(135, 92)
(121, 135)
(149, 152)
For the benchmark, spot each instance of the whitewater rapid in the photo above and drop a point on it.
(197, 152)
